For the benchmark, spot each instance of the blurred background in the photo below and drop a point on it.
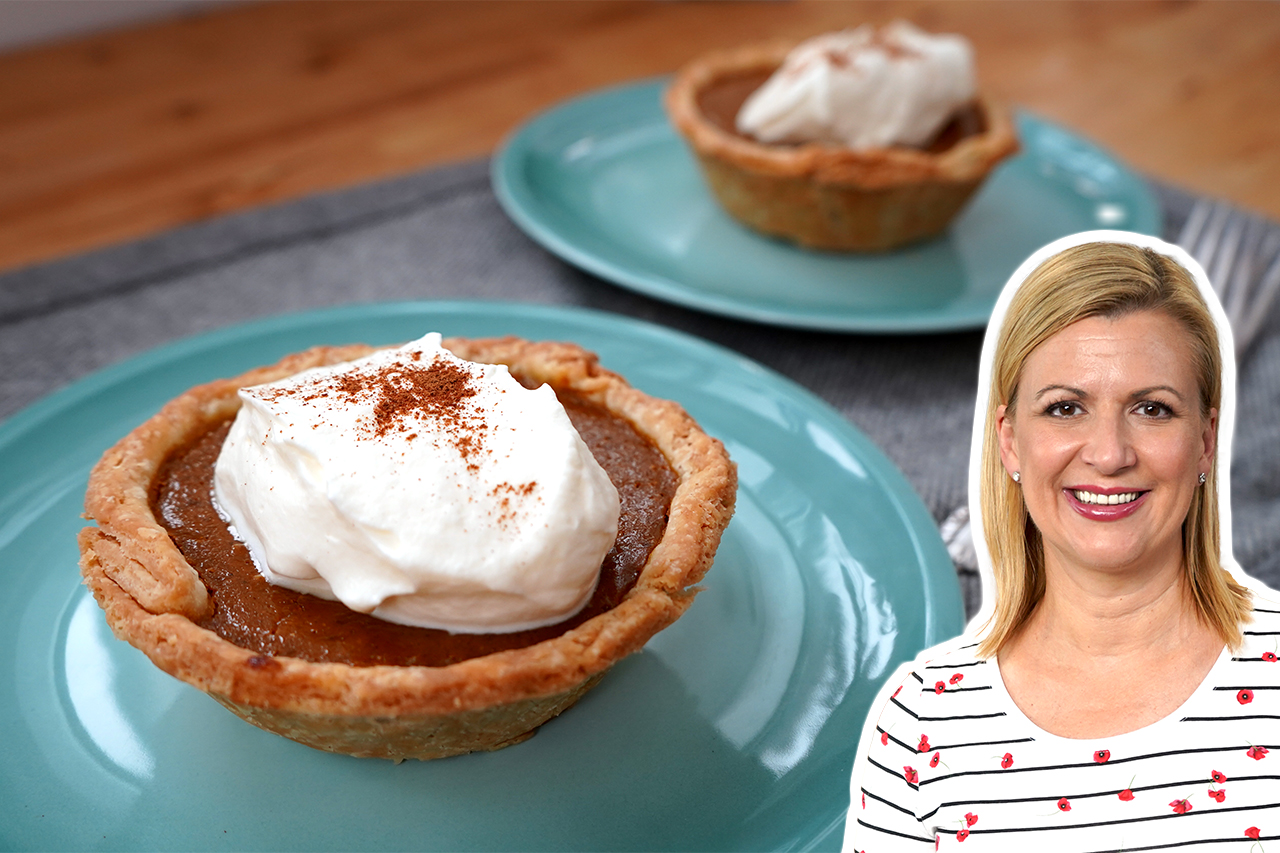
(121, 118)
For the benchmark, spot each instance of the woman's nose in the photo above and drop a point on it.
(1108, 445)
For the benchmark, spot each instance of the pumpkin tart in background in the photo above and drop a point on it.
(820, 144)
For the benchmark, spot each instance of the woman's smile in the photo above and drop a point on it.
(1105, 504)
(1108, 438)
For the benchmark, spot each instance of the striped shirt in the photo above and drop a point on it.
(952, 761)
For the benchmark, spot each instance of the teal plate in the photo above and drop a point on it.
(604, 182)
(734, 729)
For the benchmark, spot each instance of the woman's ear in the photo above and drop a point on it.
(1008, 450)
(1210, 439)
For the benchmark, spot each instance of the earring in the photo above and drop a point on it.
(1203, 477)
(1017, 477)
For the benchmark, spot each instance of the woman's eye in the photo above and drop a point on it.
(1064, 409)
(1152, 409)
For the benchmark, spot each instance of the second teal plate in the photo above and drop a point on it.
(604, 182)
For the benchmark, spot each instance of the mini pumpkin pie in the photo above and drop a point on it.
(833, 172)
(175, 582)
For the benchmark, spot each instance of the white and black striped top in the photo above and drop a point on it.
(950, 760)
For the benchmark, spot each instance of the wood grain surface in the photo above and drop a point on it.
(121, 135)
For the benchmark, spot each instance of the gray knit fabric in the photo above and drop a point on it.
(441, 235)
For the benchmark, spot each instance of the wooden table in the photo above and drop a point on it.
(112, 137)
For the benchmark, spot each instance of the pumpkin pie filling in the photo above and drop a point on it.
(256, 615)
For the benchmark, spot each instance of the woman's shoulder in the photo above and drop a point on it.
(958, 651)
(939, 716)
(953, 667)
(1266, 604)
(1262, 630)
(945, 681)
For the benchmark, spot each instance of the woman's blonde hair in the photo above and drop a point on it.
(1107, 280)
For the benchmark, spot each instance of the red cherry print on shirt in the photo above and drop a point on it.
(896, 692)
(1007, 761)
(1257, 753)
(884, 738)
(1244, 697)
(1126, 794)
(933, 762)
(1181, 806)
(923, 745)
(1218, 776)
(910, 774)
(937, 839)
(864, 799)
(1219, 795)
(1270, 657)
(970, 818)
(939, 687)
(1102, 756)
(957, 678)
(962, 834)
(1064, 805)
(1253, 832)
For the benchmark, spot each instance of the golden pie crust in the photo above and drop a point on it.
(153, 598)
(826, 196)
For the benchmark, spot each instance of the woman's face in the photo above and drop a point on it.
(1109, 440)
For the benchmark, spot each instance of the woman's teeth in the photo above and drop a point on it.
(1105, 500)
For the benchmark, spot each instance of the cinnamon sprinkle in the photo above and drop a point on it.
(405, 396)
(891, 47)
(506, 512)
(880, 40)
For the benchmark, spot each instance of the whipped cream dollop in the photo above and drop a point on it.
(863, 88)
(419, 487)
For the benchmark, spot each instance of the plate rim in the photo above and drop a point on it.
(519, 203)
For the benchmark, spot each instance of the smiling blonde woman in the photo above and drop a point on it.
(1122, 676)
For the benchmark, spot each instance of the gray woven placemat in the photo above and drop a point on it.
(441, 235)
